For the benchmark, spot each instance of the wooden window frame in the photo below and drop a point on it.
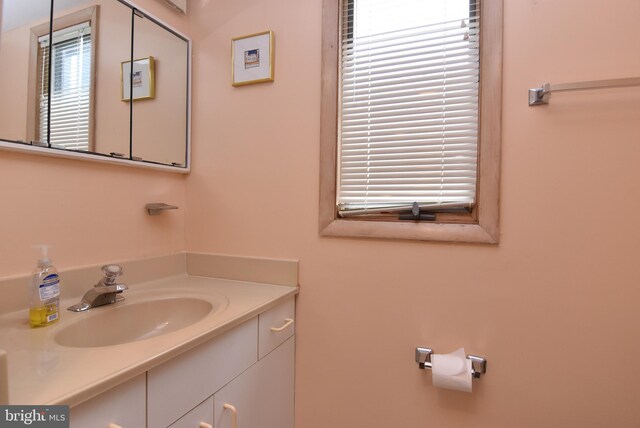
(479, 227)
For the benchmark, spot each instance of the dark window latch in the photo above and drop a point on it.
(417, 215)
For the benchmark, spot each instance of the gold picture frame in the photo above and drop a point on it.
(249, 63)
(144, 84)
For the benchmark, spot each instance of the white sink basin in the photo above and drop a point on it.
(133, 322)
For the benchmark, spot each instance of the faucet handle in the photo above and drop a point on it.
(111, 272)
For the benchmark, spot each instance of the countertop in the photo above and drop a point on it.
(42, 372)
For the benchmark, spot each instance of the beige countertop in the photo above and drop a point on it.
(42, 372)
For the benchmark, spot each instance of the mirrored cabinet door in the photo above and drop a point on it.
(23, 69)
(90, 41)
(159, 92)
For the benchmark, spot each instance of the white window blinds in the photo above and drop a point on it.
(408, 128)
(70, 87)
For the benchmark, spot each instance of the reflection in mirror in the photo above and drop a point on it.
(86, 112)
(159, 93)
(22, 24)
(69, 114)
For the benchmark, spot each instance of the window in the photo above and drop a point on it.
(411, 119)
(70, 87)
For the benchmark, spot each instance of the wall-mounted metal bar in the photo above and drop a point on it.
(478, 364)
(538, 96)
(156, 208)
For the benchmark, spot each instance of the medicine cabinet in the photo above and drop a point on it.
(102, 80)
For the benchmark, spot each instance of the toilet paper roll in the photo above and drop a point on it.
(452, 371)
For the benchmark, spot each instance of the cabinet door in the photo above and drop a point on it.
(196, 417)
(263, 395)
(123, 405)
(178, 385)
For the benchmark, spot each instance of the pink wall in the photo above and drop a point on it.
(548, 306)
(89, 212)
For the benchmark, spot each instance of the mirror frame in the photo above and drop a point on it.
(24, 147)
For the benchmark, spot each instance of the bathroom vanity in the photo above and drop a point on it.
(138, 363)
(248, 367)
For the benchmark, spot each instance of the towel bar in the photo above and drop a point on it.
(539, 96)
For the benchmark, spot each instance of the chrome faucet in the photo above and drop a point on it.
(104, 292)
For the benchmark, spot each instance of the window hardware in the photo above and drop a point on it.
(417, 215)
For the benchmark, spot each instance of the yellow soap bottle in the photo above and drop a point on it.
(44, 292)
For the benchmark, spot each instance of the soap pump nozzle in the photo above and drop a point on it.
(44, 260)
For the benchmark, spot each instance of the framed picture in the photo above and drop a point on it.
(252, 58)
(143, 79)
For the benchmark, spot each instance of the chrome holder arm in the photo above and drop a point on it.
(478, 364)
(157, 208)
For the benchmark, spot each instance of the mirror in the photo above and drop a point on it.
(84, 107)
(161, 65)
(86, 114)
(17, 75)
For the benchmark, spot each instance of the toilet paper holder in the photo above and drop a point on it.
(478, 364)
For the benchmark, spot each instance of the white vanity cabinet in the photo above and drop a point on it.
(250, 367)
(275, 326)
(124, 406)
(179, 385)
(199, 417)
(261, 397)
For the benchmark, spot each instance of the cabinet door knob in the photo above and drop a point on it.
(234, 414)
(288, 322)
(205, 425)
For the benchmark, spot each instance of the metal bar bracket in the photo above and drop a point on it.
(538, 96)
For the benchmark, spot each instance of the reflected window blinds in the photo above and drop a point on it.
(408, 128)
(70, 87)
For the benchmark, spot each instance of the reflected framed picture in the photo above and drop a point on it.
(252, 58)
(143, 80)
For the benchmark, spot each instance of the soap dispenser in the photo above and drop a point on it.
(44, 292)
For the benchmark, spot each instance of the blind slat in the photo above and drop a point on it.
(424, 99)
(401, 139)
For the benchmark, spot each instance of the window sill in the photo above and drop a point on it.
(443, 232)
